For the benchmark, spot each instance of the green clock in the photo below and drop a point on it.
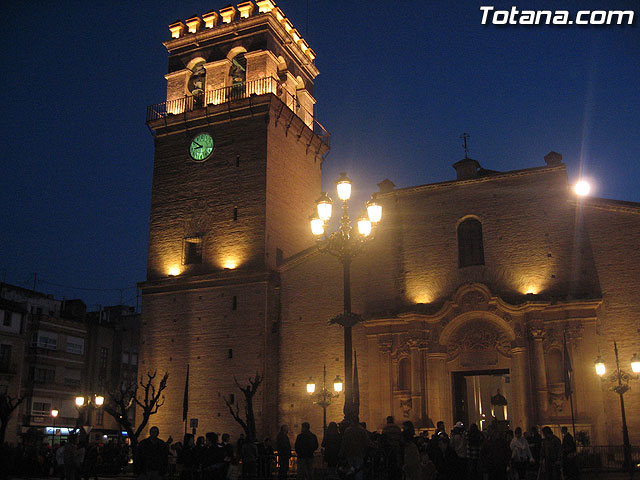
(201, 147)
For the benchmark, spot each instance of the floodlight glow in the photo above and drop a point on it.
(582, 188)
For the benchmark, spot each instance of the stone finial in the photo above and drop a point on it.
(311, 54)
(553, 159)
(466, 168)
(176, 29)
(295, 35)
(278, 14)
(246, 9)
(386, 186)
(193, 24)
(286, 23)
(210, 19)
(265, 6)
(228, 14)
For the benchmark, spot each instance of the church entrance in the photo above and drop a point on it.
(482, 397)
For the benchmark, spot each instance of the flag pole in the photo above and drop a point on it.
(185, 402)
(568, 374)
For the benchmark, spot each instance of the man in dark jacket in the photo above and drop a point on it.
(306, 445)
(152, 456)
(283, 445)
(550, 455)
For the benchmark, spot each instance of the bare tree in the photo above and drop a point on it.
(129, 394)
(7, 405)
(248, 424)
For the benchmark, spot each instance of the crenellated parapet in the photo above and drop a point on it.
(242, 12)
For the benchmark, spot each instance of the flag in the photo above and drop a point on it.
(185, 401)
(567, 370)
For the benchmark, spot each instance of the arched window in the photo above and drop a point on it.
(404, 374)
(470, 248)
(238, 70)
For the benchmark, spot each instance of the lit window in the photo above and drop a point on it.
(470, 248)
(192, 250)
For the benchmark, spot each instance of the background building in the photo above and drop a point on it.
(469, 288)
(53, 351)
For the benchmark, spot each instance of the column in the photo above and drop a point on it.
(416, 388)
(386, 383)
(439, 388)
(541, 394)
(521, 399)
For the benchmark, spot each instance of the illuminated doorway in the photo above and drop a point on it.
(481, 397)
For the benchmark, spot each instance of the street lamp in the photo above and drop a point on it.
(345, 243)
(82, 403)
(54, 413)
(620, 380)
(324, 397)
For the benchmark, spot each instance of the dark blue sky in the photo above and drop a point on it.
(399, 82)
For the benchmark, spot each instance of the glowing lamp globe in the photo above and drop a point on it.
(364, 226)
(343, 185)
(79, 401)
(55, 412)
(311, 386)
(582, 188)
(324, 204)
(600, 368)
(374, 211)
(635, 363)
(317, 225)
(337, 384)
(98, 400)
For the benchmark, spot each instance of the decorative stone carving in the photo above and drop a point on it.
(557, 401)
(406, 406)
(472, 301)
(384, 346)
(478, 336)
(536, 332)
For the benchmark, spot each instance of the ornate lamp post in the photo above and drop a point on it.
(324, 397)
(82, 403)
(620, 380)
(345, 243)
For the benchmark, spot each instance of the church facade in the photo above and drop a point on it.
(476, 293)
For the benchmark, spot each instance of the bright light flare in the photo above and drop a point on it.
(174, 271)
(230, 264)
(600, 368)
(343, 184)
(582, 188)
(55, 412)
(364, 226)
(317, 226)
(98, 400)
(79, 401)
(311, 386)
(337, 384)
(374, 210)
(635, 363)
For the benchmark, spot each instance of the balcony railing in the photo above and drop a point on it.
(232, 93)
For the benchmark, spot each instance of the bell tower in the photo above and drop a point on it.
(237, 168)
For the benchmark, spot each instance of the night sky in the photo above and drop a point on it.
(399, 83)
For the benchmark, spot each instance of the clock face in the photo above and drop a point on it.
(201, 147)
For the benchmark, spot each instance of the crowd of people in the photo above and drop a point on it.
(351, 452)
(82, 459)
(348, 451)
